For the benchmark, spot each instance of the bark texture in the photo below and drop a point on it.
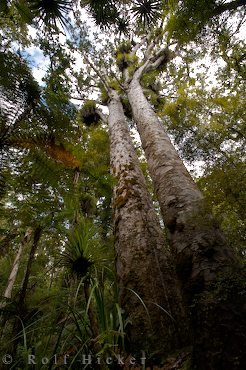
(148, 285)
(204, 262)
(200, 248)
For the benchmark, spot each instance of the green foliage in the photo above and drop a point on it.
(104, 12)
(88, 204)
(230, 285)
(207, 121)
(152, 88)
(191, 18)
(4, 6)
(122, 15)
(124, 60)
(114, 84)
(123, 25)
(40, 190)
(13, 25)
(127, 107)
(104, 95)
(18, 87)
(124, 47)
(24, 11)
(233, 53)
(224, 189)
(83, 249)
(110, 318)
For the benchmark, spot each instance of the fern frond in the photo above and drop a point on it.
(46, 144)
(18, 93)
(17, 86)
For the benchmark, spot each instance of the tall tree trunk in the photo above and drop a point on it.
(12, 278)
(36, 238)
(17, 325)
(202, 255)
(15, 268)
(199, 245)
(148, 286)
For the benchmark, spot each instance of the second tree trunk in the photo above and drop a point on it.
(148, 286)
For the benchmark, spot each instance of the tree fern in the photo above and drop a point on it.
(18, 90)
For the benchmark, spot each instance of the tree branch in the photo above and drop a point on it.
(98, 73)
(147, 55)
(103, 116)
(154, 61)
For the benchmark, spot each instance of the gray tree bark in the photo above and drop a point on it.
(148, 286)
(212, 280)
(200, 248)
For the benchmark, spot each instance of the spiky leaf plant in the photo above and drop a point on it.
(104, 12)
(147, 11)
(83, 249)
(123, 25)
(51, 11)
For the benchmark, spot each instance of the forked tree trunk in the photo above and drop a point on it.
(202, 255)
(148, 286)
